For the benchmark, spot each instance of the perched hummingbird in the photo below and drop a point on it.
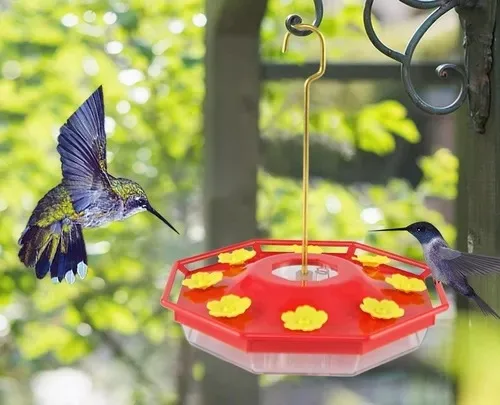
(87, 197)
(450, 266)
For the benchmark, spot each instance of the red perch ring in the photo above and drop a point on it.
(338, 334)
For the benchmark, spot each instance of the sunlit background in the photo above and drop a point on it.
(376, 160)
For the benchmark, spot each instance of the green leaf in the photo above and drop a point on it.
(440, 174)
(175, 331)
(72, 316)
(6, 289)
(72, 350)
(107, 315)
(38, 339)
(390, 110)
(406, 129)
(377, 124)
(372, 136)
(155, 330)
(49, 297)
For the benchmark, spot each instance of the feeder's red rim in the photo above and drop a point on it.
(180, 265)
(351, 245)
(256, 245)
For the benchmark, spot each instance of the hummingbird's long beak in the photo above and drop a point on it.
(158, 215)
(389, 230)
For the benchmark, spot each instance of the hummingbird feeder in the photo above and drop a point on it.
(331, 308)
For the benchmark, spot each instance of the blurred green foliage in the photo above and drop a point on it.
(471, 355)
(441, 174)
(54, 54)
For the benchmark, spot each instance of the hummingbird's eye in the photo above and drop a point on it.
(140, 201)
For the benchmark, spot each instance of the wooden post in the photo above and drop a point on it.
(479, 188)
(478, 209)
(231, 129)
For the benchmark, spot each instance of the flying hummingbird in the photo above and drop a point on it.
(87, 197)
(450, 266)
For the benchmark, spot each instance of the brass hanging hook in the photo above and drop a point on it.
(305, 163)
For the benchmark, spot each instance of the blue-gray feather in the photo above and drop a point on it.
(82, 146)
(450, 266)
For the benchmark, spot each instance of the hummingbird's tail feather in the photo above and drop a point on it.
(59, 248)
(36, 245)
(483, 306)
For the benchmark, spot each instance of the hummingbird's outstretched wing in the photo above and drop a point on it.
(468, 263)
(82, 146)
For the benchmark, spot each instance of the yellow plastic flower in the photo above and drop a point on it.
(310, 249)
(406, 284)
(305, 318)
(384, 309)
(371, 260)
(229, 306)
(238, 256)
(203, 280)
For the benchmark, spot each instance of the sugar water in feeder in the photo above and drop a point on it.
(331, 308)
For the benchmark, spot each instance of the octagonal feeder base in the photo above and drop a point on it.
(349, 343)
(324, 364)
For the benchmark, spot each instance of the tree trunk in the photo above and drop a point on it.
(479, 198)
(231, 130)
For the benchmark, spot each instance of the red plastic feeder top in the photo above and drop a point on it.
(354, 301)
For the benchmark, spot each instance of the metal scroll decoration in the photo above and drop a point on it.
(406, 58)
(478, 21)
(293, 20)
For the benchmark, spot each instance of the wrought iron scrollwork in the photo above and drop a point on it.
(294, 19)
(406, 58)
